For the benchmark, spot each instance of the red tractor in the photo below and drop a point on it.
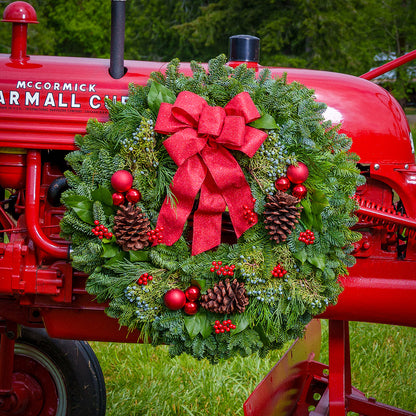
(46, 313)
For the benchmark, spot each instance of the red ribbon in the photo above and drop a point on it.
(200, 136)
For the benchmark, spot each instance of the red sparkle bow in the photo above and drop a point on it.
(200, 136)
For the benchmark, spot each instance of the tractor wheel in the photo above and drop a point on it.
(56, 377)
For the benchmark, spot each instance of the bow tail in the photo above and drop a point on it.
(185, 186)
(233, 186)
(207, 218)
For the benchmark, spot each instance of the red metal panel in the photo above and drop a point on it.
(45, 102)
(280, 390)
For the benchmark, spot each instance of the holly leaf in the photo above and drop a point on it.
(110, 250)
(241, 322)
(198, 324)
(139, 255)
(206, 325)
(103, 195)
(306, 215)
(318, 202)
(159, 94)
(301, 255)
(318, 260)
(82, 206)
(266, 121)
(120, 256)
(193, 325)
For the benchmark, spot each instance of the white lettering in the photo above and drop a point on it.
(29, 84)
(67, 86)
(32, 99)
(92, 99)
(124, 99)
(38, 85)
(83, 87)
(2, 100)
(21, 84)
(56, 86)
(60, 102)
(73, 103)
(47, 85)
(49, 100)
(91, 88)
(14, 98)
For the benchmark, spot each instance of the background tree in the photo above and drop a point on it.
(335, 35)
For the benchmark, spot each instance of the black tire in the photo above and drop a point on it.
(73, 368)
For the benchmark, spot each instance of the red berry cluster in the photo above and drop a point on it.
(249, 214)
(278, 271)
(225, 326)
(100, 231)
(156, 236)
(144, 278)
(307, 237)
(222, 270)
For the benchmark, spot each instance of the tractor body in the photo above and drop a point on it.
(45, 101)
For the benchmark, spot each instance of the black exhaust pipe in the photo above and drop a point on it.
(118, 22)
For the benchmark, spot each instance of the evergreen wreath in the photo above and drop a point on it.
(251, 293)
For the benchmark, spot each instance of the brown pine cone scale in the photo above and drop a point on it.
(130, 228)
(281, 215)
(226, 297)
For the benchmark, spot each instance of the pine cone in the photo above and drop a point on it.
(131, 227)
(281, 214)
(226, 297)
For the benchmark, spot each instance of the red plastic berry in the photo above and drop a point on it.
(96, 222)
(118, 198)
(299, 191)
(133, 195)
(307, 237)
(282, 184)
(193, 293)
(191, 308)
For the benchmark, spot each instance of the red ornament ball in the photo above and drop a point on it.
(133, 195)
(118, 198)
(191, 308)
(174, 299)
(282, 184)
(122, 180)
(297, 174)
(193, 293)
(299, 191)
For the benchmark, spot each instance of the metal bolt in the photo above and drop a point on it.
(406, 166)
(10, 334)
(376, 166)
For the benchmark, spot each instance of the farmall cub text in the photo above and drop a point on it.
(46, 312)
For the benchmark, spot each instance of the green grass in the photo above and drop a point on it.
(142, 380)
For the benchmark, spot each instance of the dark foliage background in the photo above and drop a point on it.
(342, 36)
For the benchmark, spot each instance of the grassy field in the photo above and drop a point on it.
(142, 380)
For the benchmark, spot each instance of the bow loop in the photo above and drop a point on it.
(188, 107)
(211, 121)
(242, 105)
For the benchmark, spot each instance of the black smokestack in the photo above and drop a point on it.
(118, 21)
